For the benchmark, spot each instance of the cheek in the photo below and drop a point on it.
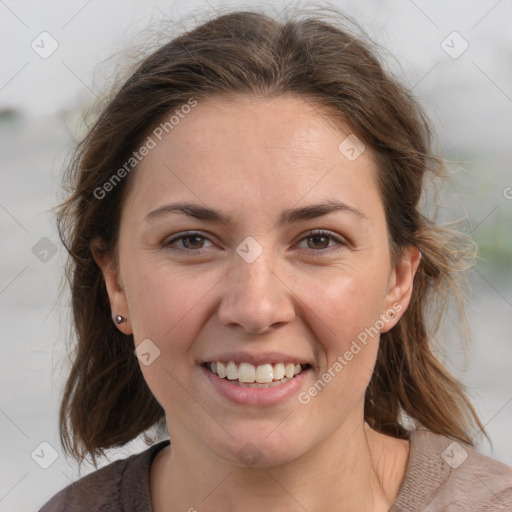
(169, 308)
(342, 304)
(168, 305)
(344, 315)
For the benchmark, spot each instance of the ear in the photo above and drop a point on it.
(400, 286)
(116, 294)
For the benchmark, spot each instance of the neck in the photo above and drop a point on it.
(355, 469)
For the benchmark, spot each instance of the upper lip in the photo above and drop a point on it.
(256, 359)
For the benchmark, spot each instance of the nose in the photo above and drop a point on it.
(255, 298)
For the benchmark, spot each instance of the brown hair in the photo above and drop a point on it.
(106, 402)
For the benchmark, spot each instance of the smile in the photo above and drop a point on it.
(259, 376)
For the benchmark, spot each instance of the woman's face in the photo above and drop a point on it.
(263, 289)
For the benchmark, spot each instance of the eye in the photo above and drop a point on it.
(317, 240)
(191, 241)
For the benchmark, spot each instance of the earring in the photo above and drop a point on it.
(118, 319)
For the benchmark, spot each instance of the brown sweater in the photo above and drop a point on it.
(441, 475)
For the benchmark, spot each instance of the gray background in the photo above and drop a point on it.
(469, 99)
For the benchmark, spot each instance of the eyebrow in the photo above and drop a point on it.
(286, 217)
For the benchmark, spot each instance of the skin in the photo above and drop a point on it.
(253, 158)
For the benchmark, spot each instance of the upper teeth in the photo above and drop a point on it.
(247, 372)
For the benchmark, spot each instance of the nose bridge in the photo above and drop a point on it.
(253, 260)
(254, 276)
(255, 298)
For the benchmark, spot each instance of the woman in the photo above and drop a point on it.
(251, 270)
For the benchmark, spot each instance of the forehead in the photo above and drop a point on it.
(245, 126)
(258, 151)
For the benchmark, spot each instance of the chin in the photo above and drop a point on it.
(259, 450)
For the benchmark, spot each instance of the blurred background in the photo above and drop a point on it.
(456, 56)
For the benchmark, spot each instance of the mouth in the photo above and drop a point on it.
(249, 375)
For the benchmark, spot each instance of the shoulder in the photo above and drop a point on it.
(443, 474)
(122, 485)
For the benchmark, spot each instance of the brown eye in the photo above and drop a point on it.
(189, 242)
(319, 241)
(194, 242)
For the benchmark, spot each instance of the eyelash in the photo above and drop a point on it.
(310, 234)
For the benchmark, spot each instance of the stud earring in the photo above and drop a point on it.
(119, 319)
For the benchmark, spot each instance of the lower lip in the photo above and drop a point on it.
(256, 396)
